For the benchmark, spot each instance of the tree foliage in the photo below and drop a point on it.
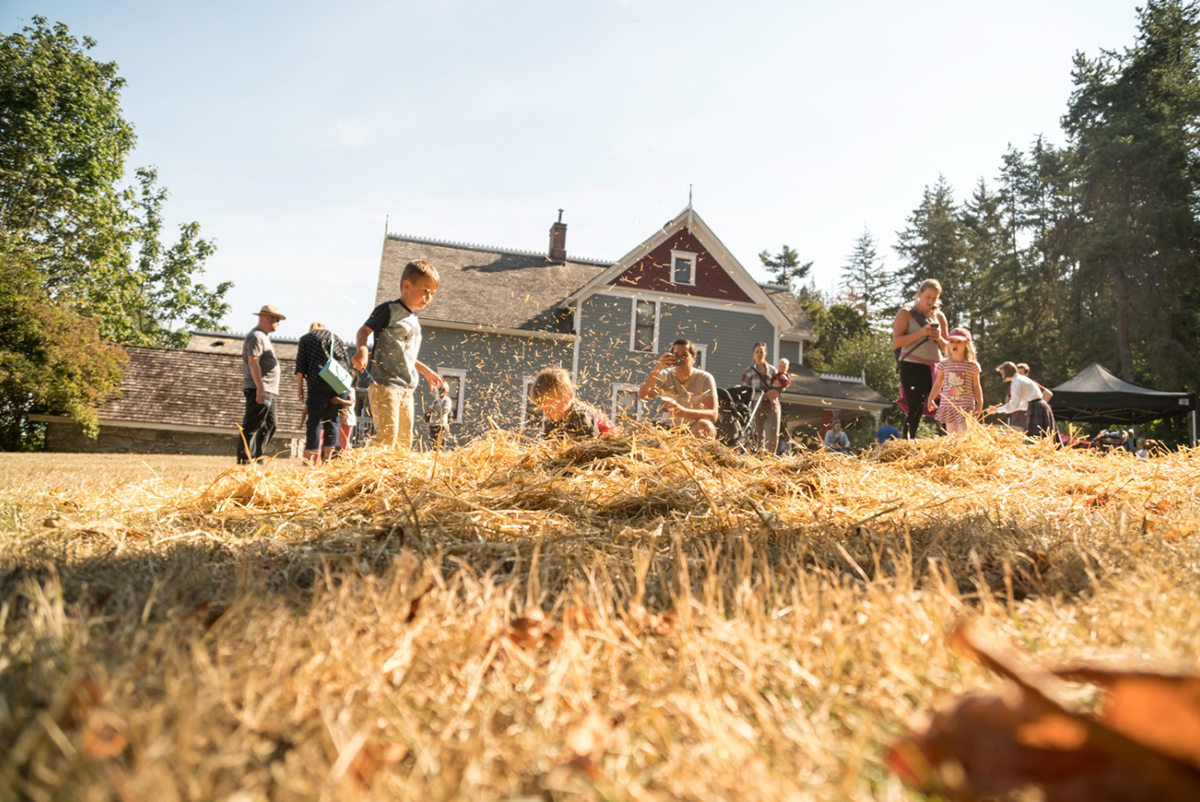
(51, 360)
(785, 267)
(84, 257)
(96, 245)
(867, 280)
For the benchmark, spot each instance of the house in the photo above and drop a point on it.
(174, 401)
(501, 315)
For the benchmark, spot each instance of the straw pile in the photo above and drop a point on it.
(648, 617)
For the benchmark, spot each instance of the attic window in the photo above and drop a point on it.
(217, 344)
(683, 268)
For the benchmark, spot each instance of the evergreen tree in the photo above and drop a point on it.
(1136, 149)
(785, 267)
(868, 280)
(932, 247)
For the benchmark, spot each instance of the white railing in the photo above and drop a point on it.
(851, 379)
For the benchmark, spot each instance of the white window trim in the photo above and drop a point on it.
(639, 404)
(633, 325)
(526, 388)
(686, 256)
(462, 390)
(701, 355)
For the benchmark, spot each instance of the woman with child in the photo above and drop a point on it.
(918, 337)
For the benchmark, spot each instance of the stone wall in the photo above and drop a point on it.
(125, 440)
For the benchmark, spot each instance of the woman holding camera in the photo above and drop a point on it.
(919, 339)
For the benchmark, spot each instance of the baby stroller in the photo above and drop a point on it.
(736, 407)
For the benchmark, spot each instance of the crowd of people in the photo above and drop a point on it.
(938, 367)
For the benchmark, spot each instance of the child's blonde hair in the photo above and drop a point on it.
(551, 383)
(970, 343)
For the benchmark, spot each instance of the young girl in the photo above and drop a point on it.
(958, 384)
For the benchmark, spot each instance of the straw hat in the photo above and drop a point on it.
(273, 311)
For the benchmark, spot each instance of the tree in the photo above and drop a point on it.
(868, 354)
(868, 280)
(1136, 153)
(785, 267)
(63, 144)
(51, 360)
(83, 257)
(933, 247)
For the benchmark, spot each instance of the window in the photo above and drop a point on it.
(530, 414)
(643, 328)
(701, 355)
(683, 268)
(625, 403)
(456, 381)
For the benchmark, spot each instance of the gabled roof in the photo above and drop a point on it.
(688, 220)
(786, 300)
(488, 287)
(192, 389)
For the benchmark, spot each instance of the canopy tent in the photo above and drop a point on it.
(1096, 396)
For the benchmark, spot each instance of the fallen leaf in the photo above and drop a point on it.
(1144, 744)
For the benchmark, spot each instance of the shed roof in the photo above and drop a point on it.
(192, 388)
(808, 384)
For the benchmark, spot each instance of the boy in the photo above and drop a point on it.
(394, 363)
(564, 415)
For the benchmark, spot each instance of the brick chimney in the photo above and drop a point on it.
(558, 240)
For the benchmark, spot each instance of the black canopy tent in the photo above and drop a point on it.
(1096, 396)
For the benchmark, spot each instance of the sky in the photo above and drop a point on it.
(297, 133)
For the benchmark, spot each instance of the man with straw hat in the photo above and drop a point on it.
(260, 385)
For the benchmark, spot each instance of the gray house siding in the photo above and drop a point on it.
(494, 368)
(605, 357)
(790, 351)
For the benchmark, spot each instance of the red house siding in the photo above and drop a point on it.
(653, 272)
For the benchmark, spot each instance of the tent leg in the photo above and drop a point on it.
(1192, 427)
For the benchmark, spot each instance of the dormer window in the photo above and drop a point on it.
(683, 268)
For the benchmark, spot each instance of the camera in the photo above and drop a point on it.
(671, 360)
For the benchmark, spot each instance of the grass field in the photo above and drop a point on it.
(644, 618)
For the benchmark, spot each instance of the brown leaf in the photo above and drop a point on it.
(533, 630)
(56, 522)
(1180, 531)
(373, 758)
(1144, 746)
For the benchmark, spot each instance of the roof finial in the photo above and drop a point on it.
(689, 222)
(689, 196)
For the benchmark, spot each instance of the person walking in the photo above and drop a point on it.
(260, 385)
(321, 401)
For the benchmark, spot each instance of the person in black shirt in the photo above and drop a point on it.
(321, 402)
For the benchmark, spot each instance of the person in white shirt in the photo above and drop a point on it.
(1025, 396)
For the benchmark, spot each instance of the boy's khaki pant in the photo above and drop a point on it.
(392, 411)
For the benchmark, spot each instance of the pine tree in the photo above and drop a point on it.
(933, 248)
(1136, 148)
(868, 280)
(785, 267)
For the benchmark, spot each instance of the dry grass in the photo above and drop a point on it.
(642, 618)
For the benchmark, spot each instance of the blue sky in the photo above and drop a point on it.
(291, 131)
